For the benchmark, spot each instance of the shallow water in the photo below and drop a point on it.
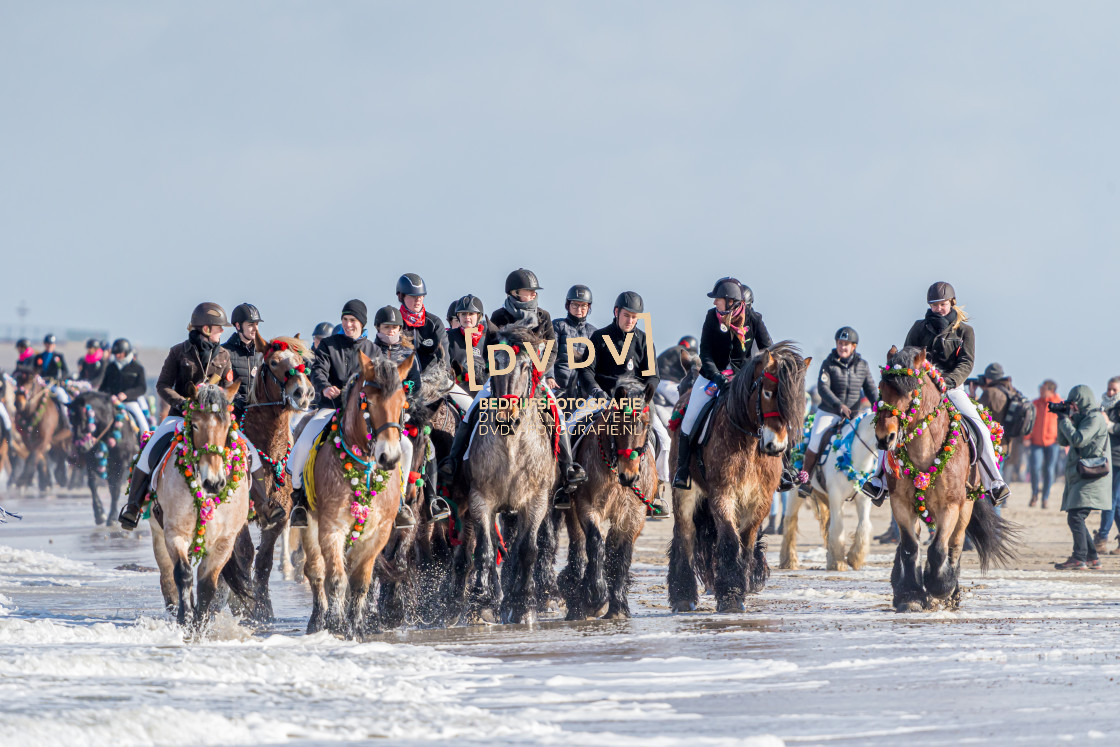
(87, 656)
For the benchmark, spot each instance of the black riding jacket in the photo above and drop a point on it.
(336, 360)
(397, 353)
(841, 382)
(429, 340)
(566, 379)
(52, 366)
(602, 375)
(129, 379)
(952, 351)
(720, 348)
(245, 361)
(457, 351)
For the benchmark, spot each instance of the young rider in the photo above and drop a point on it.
(24, 351)
(469, 314)
(92, 366)
(429, 338)
(243, 355)
(731, 330)
(51, 365)
(844, 376)
(520, 307)
(950, 344)
(195, 361)
(578, 305)
(322, 330)
(125, 382)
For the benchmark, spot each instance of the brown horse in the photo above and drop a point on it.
(41, 429)
(925, 442)
(105, 442)
(621, 480)
(356, 495)
(280, 388)
(716, 532)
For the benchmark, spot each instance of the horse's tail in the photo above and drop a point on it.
(997, 539)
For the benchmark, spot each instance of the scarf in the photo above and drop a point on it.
(121, 363)
(414, 320)
(938, 324)
(521, 311)
(390, 339)
(204, 347)
(736, 319)
(94, 357)
(479, 331)
(1107, 403)
(27, 353)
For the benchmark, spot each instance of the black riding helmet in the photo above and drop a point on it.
(688, 341)
(122, 345)
(469, 304)
(630, 301)
(522, 279)
(94, 343)
(578, 293)
(245, 312)
(209, 314)
(728, 288)
(940, 291)
(23, 343)
(50, 340)
(323, 329)
(388, 315)
(847, 333)
(451, 310)
(411, 284)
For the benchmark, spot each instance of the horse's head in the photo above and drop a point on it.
(283, 375)
(378, 399)
(26, 380)
(89, 414)
(628, 422)
(514, 378)
(897, 386)
(776, 400)
(210, 412)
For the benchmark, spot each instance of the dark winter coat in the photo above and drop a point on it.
(428, 340)
(952, 351)
(457, 352)
(397, 353)
(184, 366)
(720, 350)
(93, 372)
(1086, 434)
(245, 360)
(602, 375)
(1112, 412)
(336, 360)
(565, 375)
(129, 379)
(841, 382)
(544, 330)
(52, 366)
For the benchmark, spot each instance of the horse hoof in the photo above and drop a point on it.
(730, 607)
(684, 607)
(911, 605)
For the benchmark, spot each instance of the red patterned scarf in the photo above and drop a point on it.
(736, 319)
(480, 330)
(414, 320)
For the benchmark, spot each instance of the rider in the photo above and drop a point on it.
(51, 365)
(388, 324)
(950, 344)
(429, 338)
(195, 361)
(731, 330)
(452, 318)
(24, 351)
(469, 313)
(125, 382)
(669, 366)
(520, 307)
(844, 376)
(578, 305)
(602, 375)
(92, 366)
(322, 329)
(243, 355)
(336, 360)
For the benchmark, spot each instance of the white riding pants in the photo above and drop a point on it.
(168, 426)
(821, 423)
(702, 391)
(315, 425)
(7, 420)
(137, 414)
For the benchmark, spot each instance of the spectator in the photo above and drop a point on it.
(1082, 427)
(1110, 406)
(1044, 444)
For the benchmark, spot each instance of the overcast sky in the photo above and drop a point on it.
(837, 157)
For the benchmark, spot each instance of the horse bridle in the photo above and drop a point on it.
(374, 432)
(616, 452)
(760, 415)
(281, 383)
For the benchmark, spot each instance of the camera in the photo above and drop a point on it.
(1059, 408)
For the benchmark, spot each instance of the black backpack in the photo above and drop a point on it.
(1018, 419)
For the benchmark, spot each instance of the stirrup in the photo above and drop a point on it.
(805, 489)
(682, 479)
(439, 509)
(129, 516)
(999, 494)
(877, 494)
(562, 500)
(298, 518)
(405, 519)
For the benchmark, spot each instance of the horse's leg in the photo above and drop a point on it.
(730, 566)
(461, 568)
(287, 568)
(861, 541)
(788, 557)
(395, 582)
(91, 481)
(956, 548)
(116, 480)
(209, 570)
(620, 553)
(334, 560)
(184, 577)
(485, 588)
(166, 565)
(544, 571)
(262, 572)
(835, 536)
(570, 579)
(909, 594)
(314, 569)
(593, 590)
(684, 594)
(523, 603)
(940, 574)
(754, 545)
(361, 574)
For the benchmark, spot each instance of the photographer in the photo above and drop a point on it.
(1082, 427)
(1110, 406)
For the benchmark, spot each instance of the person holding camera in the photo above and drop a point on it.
(1110, 406)
(1083, 427)
(1045, 451)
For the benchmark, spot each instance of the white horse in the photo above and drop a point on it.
(850, 462)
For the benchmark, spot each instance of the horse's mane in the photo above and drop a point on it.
(385, 376)
(791, 384)
(631, 384)
(900, 381)
(435, 381)
(299, 347)
(520, 333)
(211, 394)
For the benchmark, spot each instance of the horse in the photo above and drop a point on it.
(929, 477)
(850, 462)
(621, 480)
(355, 493)
(511, 468)
(41, 429)
(106, 440)
(200, 504)
(279, 389)
(735, 476)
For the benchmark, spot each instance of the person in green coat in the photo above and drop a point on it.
(1084, 430)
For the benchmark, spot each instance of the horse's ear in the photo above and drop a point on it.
(651, 389)
(192, 390)
(920, 359)
(298, 334)
(260, 343)
(686, 359)
(892, 353)
(230, 388)
(405, 366)
(806, 362)
(367, 366)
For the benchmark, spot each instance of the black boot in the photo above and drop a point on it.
(270, 512)
(449, 465)
(806, 488)
(437, 506)
(790, 476)
(572, 475)
(681, 478)
(298, 516)
(877, 493)
(138, 486)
